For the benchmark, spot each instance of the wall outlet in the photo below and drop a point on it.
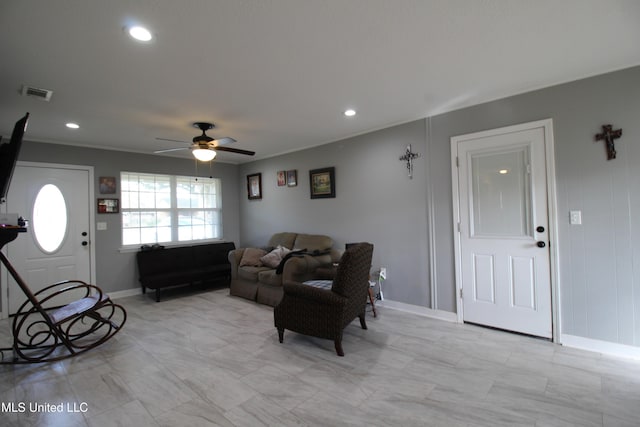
(383, 273)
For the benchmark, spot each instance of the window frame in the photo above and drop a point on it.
(212, 207)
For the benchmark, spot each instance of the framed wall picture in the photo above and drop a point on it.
(108, 206)
(292, 178)
(107, 184)
(254, 186)
(322, 183)
(282, 178)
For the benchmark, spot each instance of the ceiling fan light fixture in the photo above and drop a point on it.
(203, 154)
(204, 147)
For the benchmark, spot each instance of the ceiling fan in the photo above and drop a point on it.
(203, 146)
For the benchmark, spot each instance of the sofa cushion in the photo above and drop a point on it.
(313, 242)
(273, 258)
(283, 239)
(251, 273)
(270, 277)
(251, 257)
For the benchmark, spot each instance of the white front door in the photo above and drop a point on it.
(503, 228)
(56, 247)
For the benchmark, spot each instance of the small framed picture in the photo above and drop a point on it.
(292, 178)
(108, 206)
(254, 186)
(282, 178)
(107, 184)
(322, 183)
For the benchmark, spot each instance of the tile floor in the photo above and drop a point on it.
(207, 359)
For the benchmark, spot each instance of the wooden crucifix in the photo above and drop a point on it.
(609, 135)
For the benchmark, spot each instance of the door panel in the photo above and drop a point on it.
(484, 284)
(502, 201)
(523, 282)
(52, 250)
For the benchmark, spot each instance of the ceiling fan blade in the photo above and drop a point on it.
(170, 149)
(235, 150)
(223, 141)
(171, 140)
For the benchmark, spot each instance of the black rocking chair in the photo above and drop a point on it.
(47, 327)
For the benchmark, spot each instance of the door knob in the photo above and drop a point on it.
(540, 229)
(85, 243)
(84, 233)
(541, 244)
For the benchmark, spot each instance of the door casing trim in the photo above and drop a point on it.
(547, 125)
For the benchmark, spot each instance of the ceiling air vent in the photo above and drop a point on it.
(43, 94)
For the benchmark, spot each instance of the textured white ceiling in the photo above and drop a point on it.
(276, 75)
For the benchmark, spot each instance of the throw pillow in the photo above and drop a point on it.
(273, 258)
(251, 257)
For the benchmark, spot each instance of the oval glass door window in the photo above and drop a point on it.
(49, 218)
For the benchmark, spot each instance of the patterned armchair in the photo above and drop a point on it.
(324, 313)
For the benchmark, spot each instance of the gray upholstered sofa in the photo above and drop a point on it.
(256, 281)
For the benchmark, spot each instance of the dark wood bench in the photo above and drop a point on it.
(183, 265)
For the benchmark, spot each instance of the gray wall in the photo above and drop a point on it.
(375, 201)
(599, 278)
(116, 271)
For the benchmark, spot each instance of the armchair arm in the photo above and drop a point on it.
(322, 296)
(336, 254)
(234, 259)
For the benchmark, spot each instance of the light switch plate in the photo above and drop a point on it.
(575, 217)
(101, 226)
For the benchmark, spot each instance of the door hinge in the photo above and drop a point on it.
(457, 162)
(458, 227)
(461, 295)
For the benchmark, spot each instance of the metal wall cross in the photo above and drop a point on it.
(609, 135)
(408, 157)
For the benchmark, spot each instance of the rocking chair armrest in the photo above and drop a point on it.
(70, 286)
(67, 284)
(322, 296)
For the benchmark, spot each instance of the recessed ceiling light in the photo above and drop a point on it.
(503, 171)
(140, 33)
(72, 125)
(350, 113)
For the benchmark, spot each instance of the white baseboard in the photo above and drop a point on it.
(419, 310)
(126, 293)
(598, 346)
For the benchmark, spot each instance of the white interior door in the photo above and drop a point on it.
(503, 229)
(56, 247)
